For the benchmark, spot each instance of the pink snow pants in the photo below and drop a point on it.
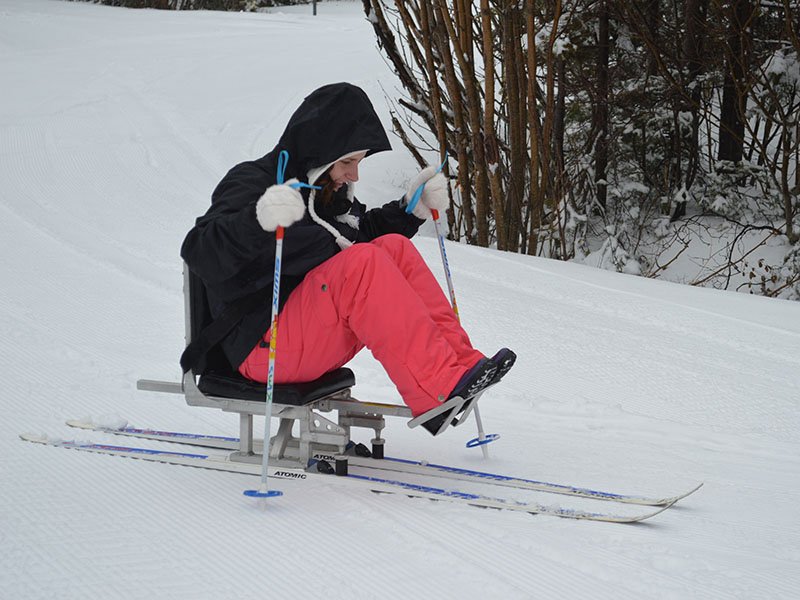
(380, 295)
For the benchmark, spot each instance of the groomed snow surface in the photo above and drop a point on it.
(115, 125)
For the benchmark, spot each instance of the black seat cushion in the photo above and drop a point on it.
(233, 385)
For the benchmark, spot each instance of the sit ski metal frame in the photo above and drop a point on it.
(317, 434)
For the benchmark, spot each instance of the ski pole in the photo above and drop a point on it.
(264, 491)
(482, 439)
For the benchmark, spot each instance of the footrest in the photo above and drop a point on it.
(442, 416)
(226, 385)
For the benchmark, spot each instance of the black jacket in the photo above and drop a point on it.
(235, 257)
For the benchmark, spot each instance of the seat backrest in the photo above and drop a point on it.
(198, 317)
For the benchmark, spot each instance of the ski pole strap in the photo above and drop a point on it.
(412, 204)
(300, 184)
(283, 160)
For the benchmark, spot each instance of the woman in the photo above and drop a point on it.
(349, 277)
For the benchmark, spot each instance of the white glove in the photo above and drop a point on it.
(280, 206)
(434, 194)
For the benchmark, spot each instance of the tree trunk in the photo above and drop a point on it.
(438, 15)
(689, 97)
(535, 205)
(490, 139)
(601, 108)
(735, 88)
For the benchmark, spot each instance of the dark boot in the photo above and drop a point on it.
(504, 359)
(471, 383)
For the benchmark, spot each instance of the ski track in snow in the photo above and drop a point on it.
(115, 126)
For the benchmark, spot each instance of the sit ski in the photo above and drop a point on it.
(324, 413)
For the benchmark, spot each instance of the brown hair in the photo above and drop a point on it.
(325, 195)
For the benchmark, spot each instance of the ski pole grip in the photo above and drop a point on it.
(415, 198)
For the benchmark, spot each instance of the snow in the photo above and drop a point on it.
(783, 65)
(115, 125)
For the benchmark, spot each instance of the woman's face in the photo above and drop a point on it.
(345, 170)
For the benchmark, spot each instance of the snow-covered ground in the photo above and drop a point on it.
(115, 125)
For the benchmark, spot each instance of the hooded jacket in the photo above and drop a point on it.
(235, 258)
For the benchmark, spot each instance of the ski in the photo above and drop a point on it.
(461, 474)
(373, 483)
(402, 465)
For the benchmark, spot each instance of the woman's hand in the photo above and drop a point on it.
(434, 194)
(280, 206)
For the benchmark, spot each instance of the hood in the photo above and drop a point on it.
(333, 121)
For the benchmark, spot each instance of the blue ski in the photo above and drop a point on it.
(404, 466)
(373, 483)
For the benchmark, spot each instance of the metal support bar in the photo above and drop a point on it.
(317, 434)
(246, 433)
